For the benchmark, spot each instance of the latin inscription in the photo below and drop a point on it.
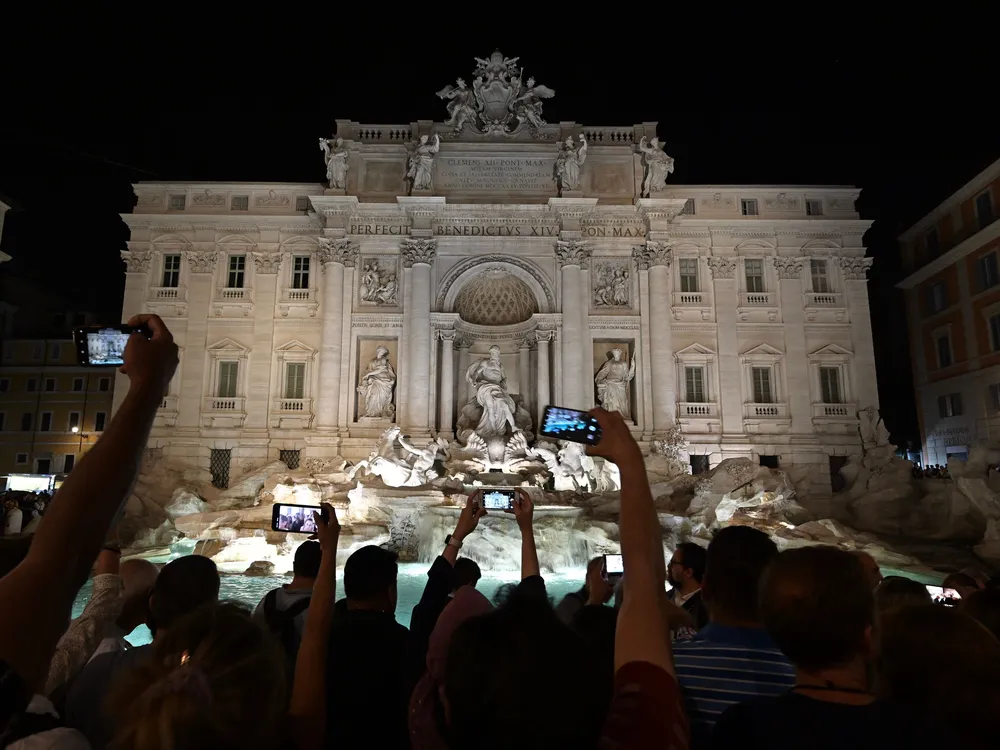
(494, 174)
(378, 229)
(634, 231)
(495, 230)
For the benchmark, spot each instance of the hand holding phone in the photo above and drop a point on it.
(614, 568)
(947, 597)
(297, 519)
(502, 500)
(561, 423)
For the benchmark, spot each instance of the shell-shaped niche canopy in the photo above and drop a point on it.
(495, 298)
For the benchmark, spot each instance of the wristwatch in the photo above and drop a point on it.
(451, 540)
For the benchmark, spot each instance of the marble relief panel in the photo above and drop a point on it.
(379, 281)
(612, 285)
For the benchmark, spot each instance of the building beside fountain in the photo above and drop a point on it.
(452, 278)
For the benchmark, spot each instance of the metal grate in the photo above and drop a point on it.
(218, 464)
(289, 458)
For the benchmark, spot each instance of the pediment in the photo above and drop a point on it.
(821, 245)
(694, 350)
(754, 245)
(236, 240)
(762, 350)
(295, 347)
(227, 345)
(687, 247)
(300, 242)
(171, 240)
(830, 351)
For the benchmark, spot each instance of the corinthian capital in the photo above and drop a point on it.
(573, 253)
(789, 268)
(267, 262)
(723, 267)
(855, 269)
(417, 250)
(653, 253)
(201, 262)
(336, 251)
(137, 261)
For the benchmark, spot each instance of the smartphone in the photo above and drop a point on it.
(614, 568)
(297, 519)
(498, 499)
(561, 423)
(103, 346)
(947, 597)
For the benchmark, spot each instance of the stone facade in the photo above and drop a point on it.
(744, 308)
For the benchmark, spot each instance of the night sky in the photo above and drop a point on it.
(95, 103)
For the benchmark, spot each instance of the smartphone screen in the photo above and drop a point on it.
(613, 566)
(297, 519)
(561, 423)
(947, 597)
(498, 499)
(102, 347)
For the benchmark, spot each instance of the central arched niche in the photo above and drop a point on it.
(495, 297)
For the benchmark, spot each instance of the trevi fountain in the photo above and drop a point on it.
(386, 342)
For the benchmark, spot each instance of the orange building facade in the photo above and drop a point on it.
(952, 290)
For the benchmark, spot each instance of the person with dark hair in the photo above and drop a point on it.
(446, 575)
(872, 570)
(943, 664)
(685, 572)
(984, 607)
(963, 583)
(467, 573)
(574, 602)
(371, 668)
(733, 658)
(896, 591)
(184, 585)
(283, 610)
(519, 677)
(816, 603)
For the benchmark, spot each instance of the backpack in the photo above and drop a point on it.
(282, 624)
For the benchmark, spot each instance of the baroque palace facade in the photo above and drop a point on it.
(313, 316)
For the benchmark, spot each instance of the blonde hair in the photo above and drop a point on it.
(216, 681)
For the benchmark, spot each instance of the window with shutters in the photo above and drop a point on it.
(754, 272)
(689, 274)
(829, 383)
(762, 392)
(988, 275)
(99, 419)
(694, 385)
(820, 278)
(942, 346)
(228, 379)
(984, 208)
(295, 379)
(950, 405)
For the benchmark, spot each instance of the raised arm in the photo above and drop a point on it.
(642, 629)
(37, 596)
(308, 703)
(524, 512)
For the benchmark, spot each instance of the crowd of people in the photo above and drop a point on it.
(805, 648)
(931, 471)
(21, 511)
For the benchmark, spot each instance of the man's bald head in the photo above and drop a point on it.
(817, 605)
(872, 570)
(138, 577)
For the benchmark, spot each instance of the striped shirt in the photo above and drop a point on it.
(722, 666)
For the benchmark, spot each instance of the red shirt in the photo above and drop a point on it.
(645, 711)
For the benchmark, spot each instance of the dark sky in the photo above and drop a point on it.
(94, 103)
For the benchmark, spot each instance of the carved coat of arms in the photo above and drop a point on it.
(499, 102)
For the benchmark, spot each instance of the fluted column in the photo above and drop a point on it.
(731, 396)
(333, 255)
(418, 254)
(543, 338)
(796, 364)
(137, 265)
(524, 369)
(655, 257)
(864, 386)
(464, 361)
(446, 397)
(191, 378)
(572, 255)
